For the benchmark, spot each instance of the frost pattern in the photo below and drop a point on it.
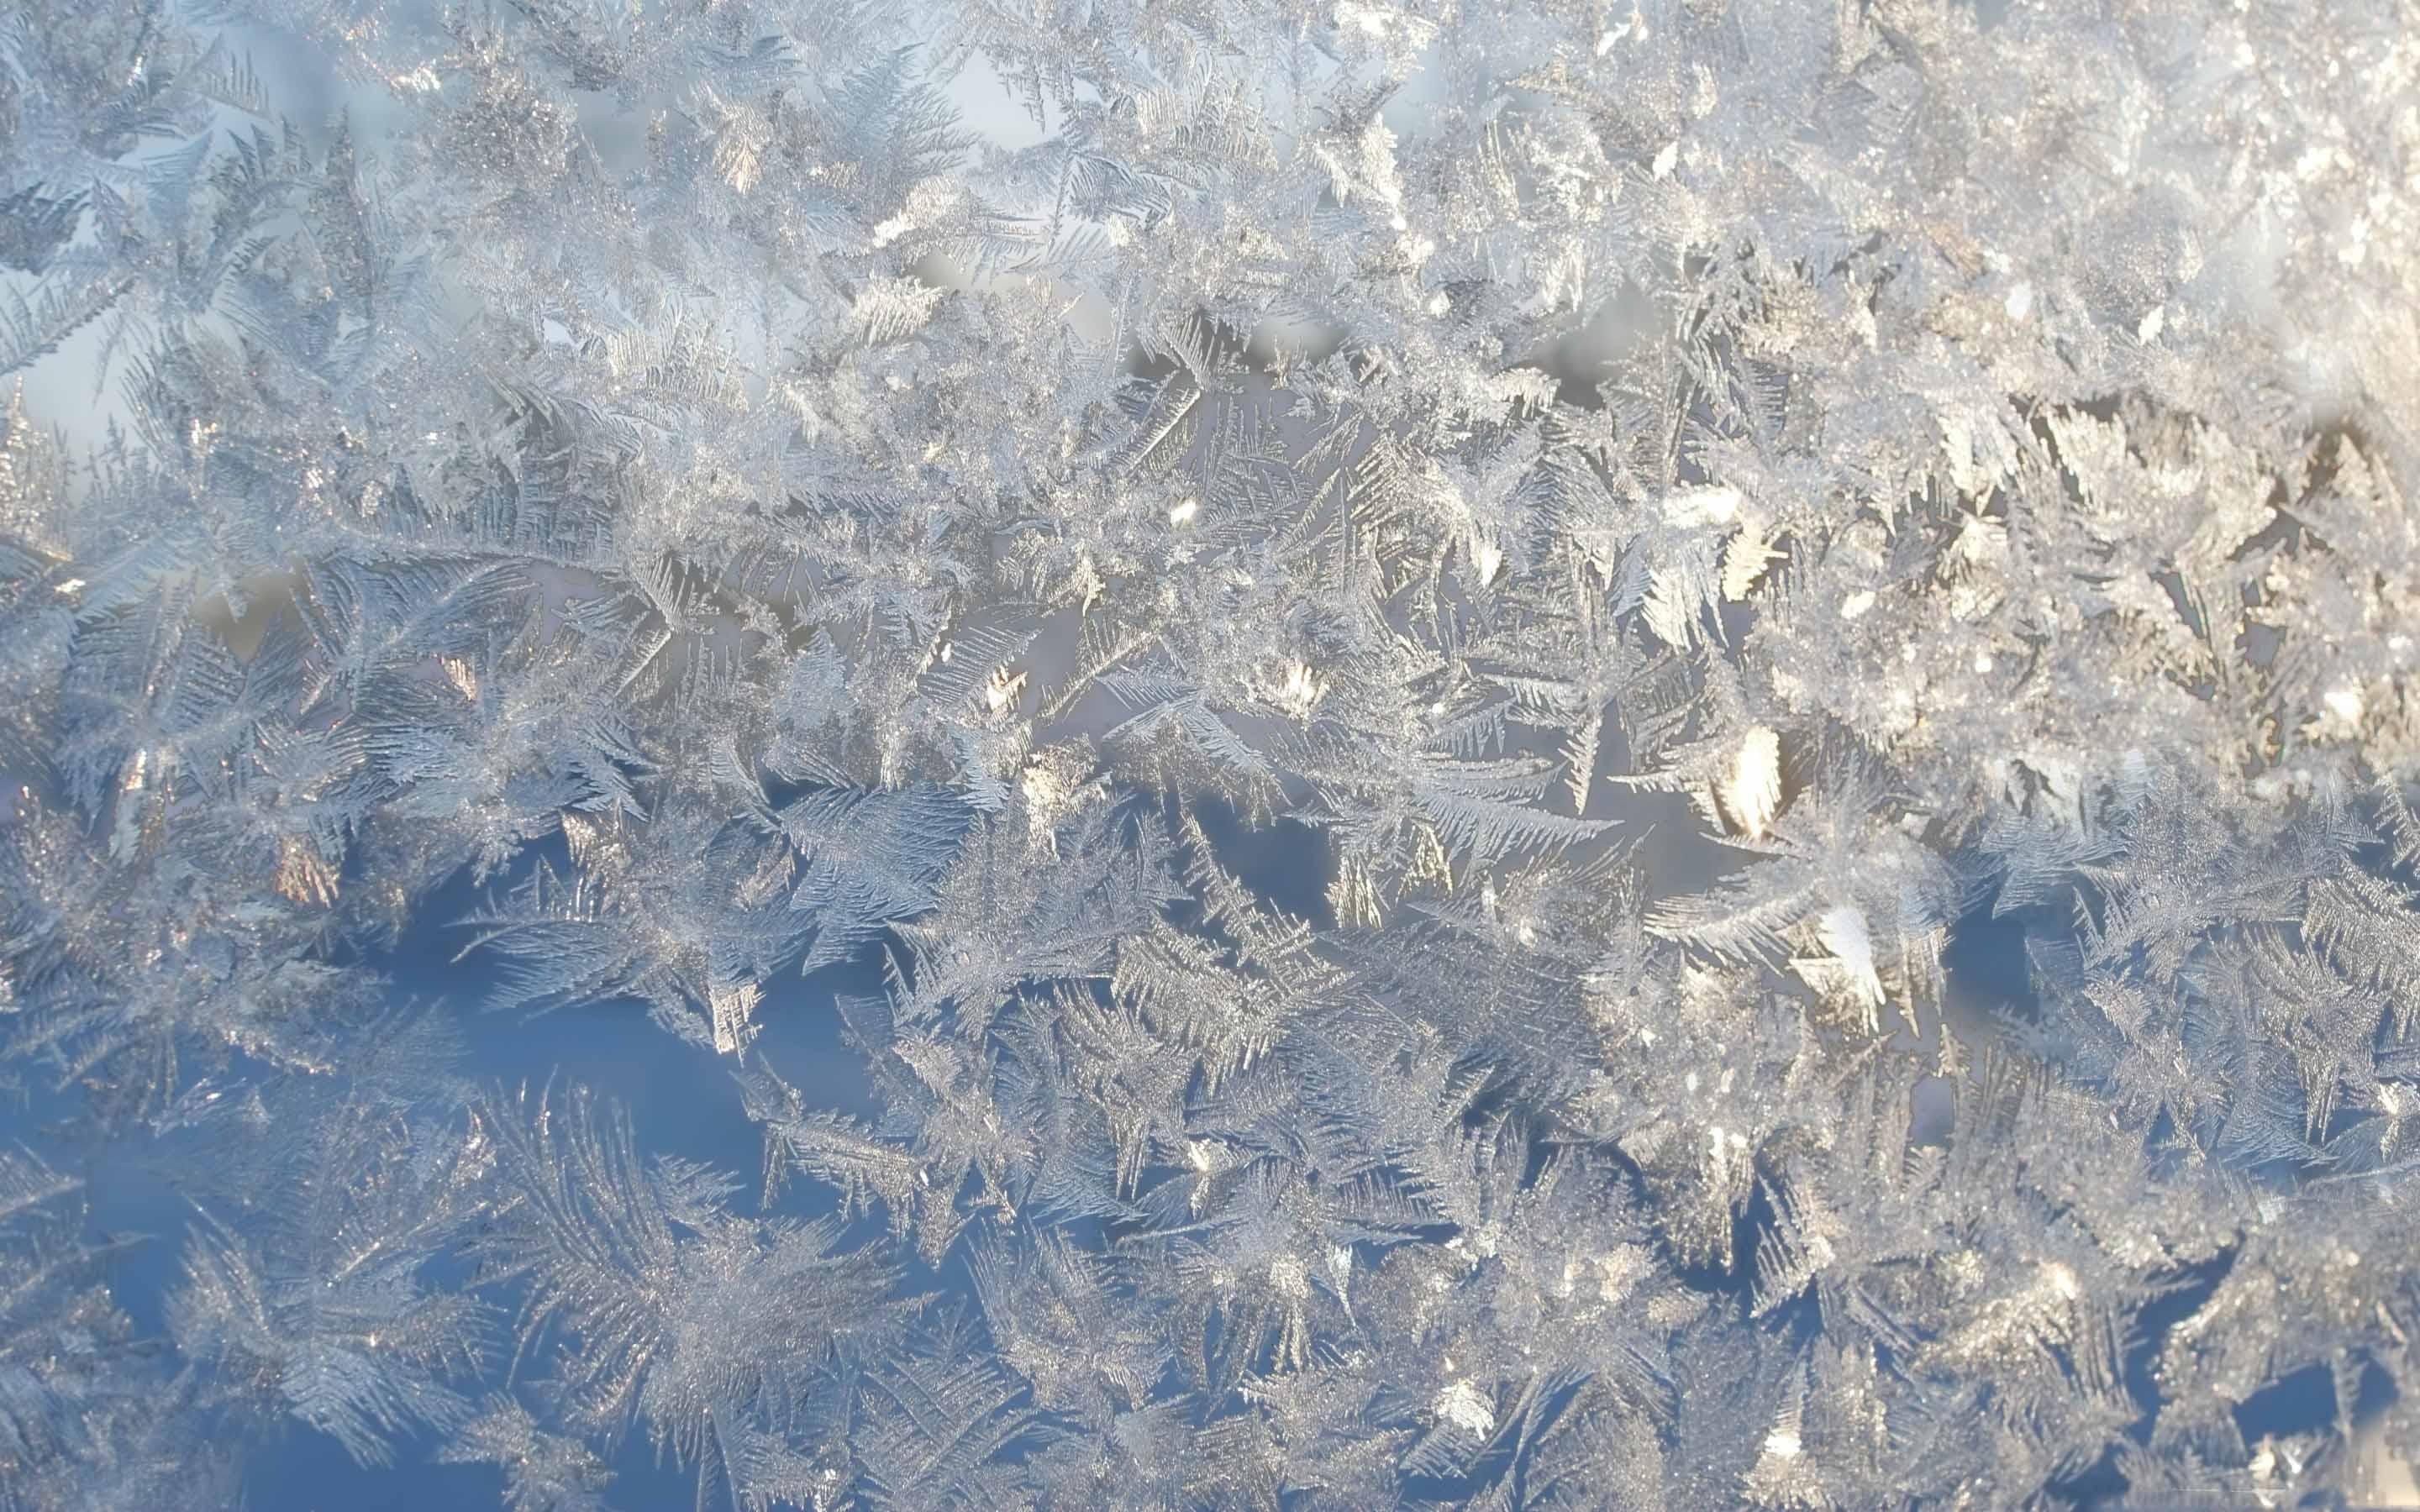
(1537, 756)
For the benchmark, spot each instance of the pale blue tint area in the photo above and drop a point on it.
(681, 1101)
